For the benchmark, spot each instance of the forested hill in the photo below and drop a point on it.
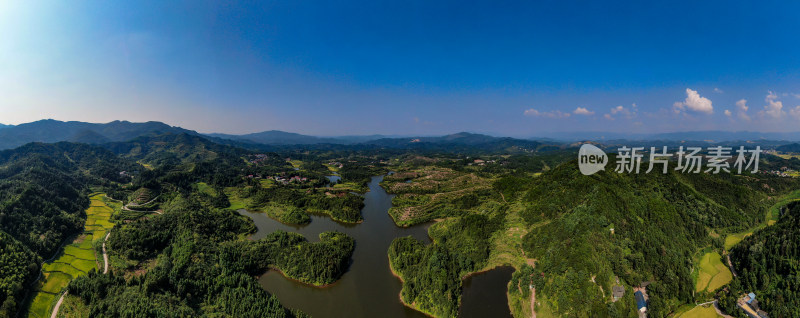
(794, 148)
(43, 190)
(587, 230)
(768, 263)
(276, 137)
(54, 131)
(43, 195)
(461, 143)
(174, 149)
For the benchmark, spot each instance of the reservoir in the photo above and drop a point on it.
(368, 288)
(484, 294)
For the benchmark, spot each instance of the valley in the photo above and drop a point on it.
(193, 227)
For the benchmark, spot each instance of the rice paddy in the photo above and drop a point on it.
(707, 311)
(773, 213)
(76, 259)
(712, 273)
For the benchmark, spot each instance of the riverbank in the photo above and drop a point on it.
(279, 271)
(400, 295)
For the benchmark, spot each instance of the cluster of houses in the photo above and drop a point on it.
(749, 305)
(480, 162)
(257, 158)
(336, 164)
(281, 179)
(639, 293)
(783, 172)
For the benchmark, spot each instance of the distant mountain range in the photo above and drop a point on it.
(51, 131)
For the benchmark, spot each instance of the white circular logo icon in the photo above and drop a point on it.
(591, 159)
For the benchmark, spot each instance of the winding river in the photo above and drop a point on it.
(368, 289)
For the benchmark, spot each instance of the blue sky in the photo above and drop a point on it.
(407, 67)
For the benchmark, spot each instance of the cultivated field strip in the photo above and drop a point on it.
(76, 259)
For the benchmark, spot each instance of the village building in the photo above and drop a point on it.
(641, 303)
(617, 292)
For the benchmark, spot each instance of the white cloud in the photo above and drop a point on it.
(771, 95)
(582, 111)
(628, 113)
(774, 108)
(741, 105)
(728, 113)
(718, 91)
(795, 112)
(694, 102)
(551, 114)
(741, 109)
(677, 107)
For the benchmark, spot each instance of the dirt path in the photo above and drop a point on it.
(58, 305)
(131, 204)
(105, 254)
(125, 208)
(730, 265)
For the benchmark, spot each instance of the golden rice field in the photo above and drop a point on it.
(77, 258)
(712, 274)
(707, 311)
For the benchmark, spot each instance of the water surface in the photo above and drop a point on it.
(484, 294)
(368, 289)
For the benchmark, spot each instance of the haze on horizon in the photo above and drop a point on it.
(410, 68)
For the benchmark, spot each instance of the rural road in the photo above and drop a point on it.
(58, 304)
(105, 254)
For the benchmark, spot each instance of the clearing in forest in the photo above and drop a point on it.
(712, 273)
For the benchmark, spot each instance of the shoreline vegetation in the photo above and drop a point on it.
(400, 294)
(345, 209)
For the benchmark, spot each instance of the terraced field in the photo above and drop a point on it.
(77, 258)
(713, 274)
(425, 194)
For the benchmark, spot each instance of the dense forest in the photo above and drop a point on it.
(19, 266)
(202, 266)
(345, 207)
(432, 273)
(768, 263)
(641, 228)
